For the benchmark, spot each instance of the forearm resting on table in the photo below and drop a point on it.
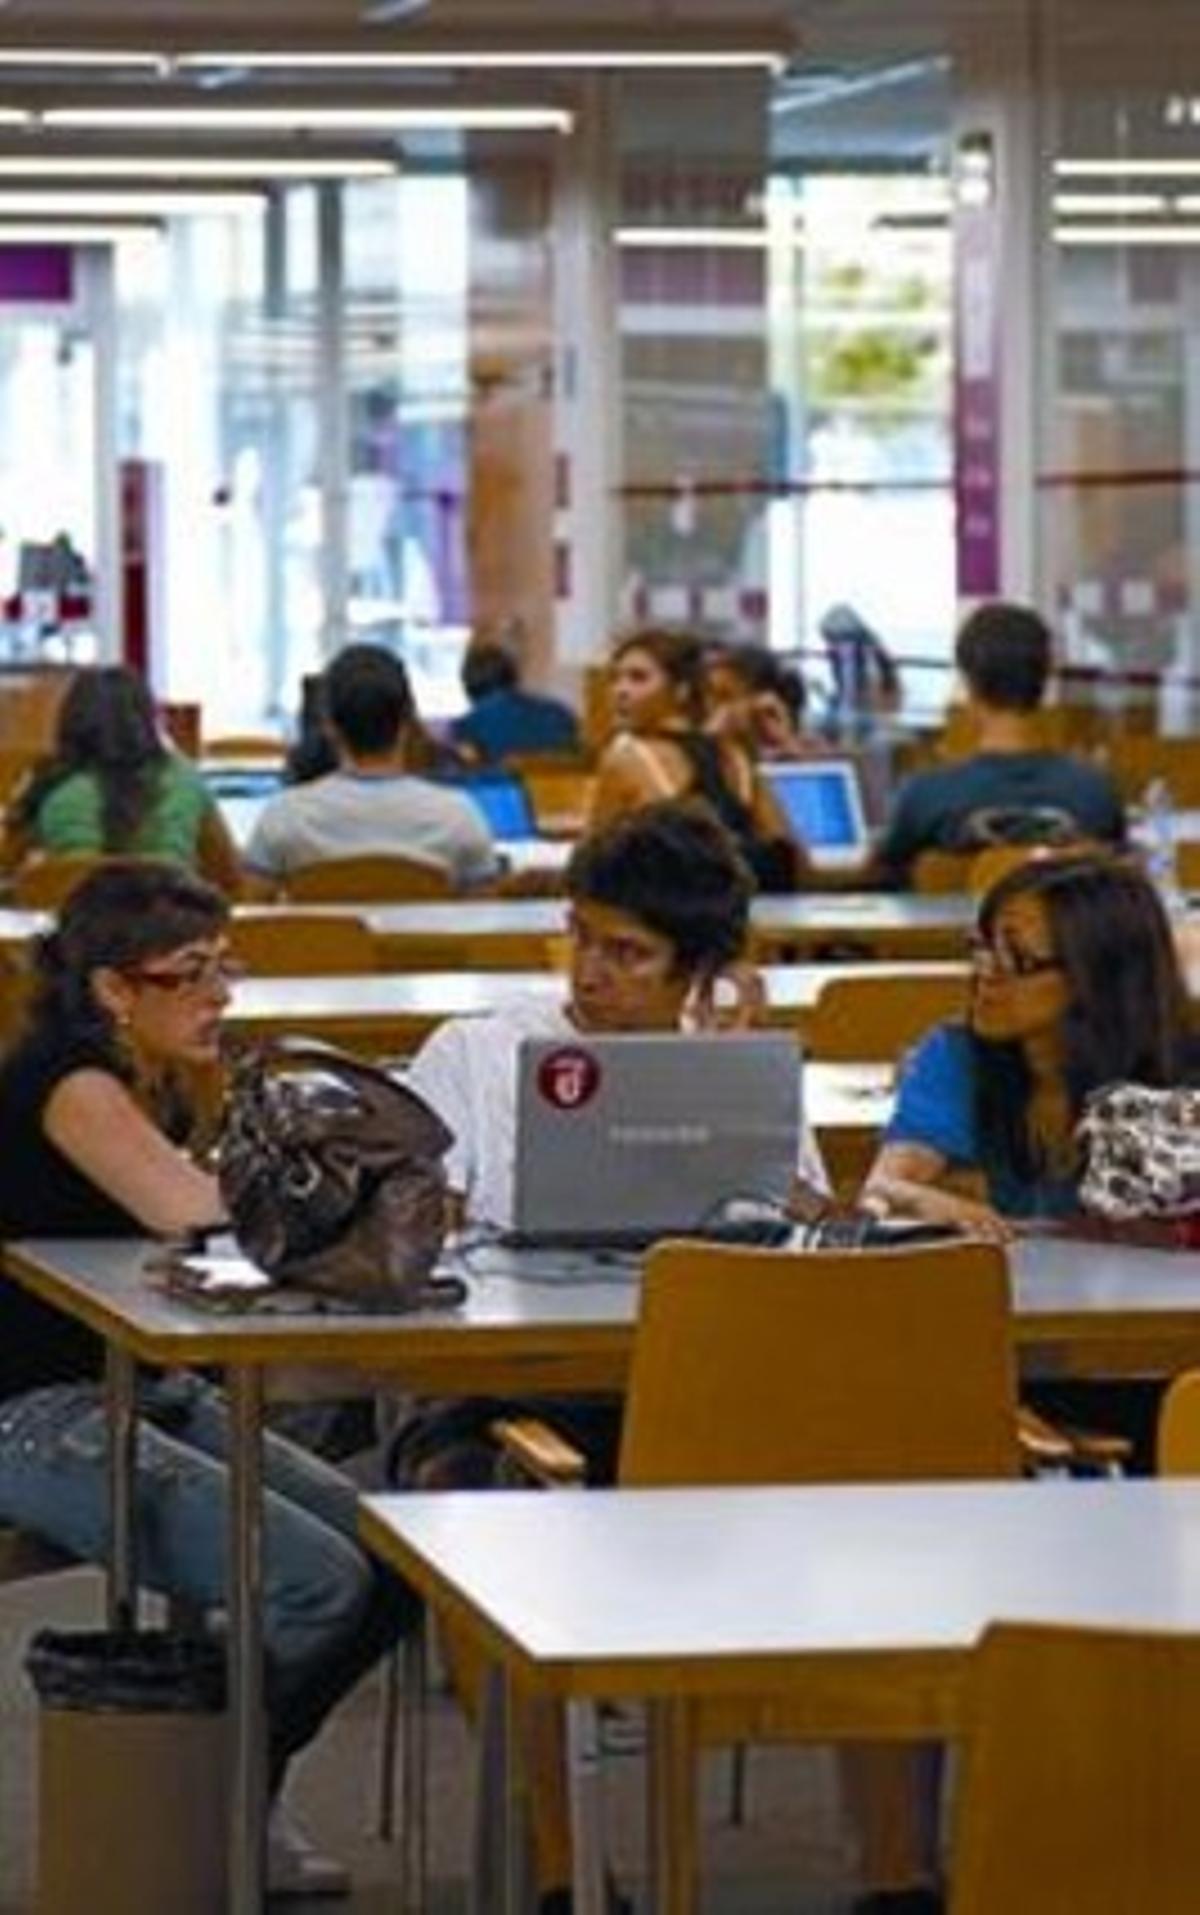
(98, 1126)
(909, 1180)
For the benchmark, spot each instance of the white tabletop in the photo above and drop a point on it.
(631, 1584)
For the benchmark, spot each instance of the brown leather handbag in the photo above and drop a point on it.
(332, 1175)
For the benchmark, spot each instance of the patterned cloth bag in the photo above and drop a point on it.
(1142, 1149)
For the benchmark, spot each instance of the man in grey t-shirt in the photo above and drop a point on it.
(372, 805)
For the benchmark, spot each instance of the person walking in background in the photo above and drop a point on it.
(112, 786)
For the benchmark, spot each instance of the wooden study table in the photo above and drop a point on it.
(526, 1327)
(861, 1605)
(391, 1015)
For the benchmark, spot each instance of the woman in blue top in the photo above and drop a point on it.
(1076, 984)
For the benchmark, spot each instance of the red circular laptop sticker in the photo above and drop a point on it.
(568, 1078)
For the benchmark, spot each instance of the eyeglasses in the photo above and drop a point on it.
(1008, 960)
(196, 977)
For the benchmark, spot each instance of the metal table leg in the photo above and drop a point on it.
(587, 1830)
(247, 1829)
(120, 1376)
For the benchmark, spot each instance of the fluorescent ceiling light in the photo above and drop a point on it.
(97, 232)
(15, 116)
(734, 238)
(1127, 235)
(1126, 169)
(1187, 203)
(1110, 203)
(510, 58)
(186, 166)
(105, 204)
(82, 56)
(329, 119)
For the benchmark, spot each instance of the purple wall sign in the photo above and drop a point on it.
(36, 275)
(976, 372)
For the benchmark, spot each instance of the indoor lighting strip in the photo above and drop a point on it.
(1127, 235)
(1111, 203)
(187, 166)
(331, 119)
(77, 232)
(107, 205)
(734, 238)
(588, 59)
(1127, 169)
(83, 56)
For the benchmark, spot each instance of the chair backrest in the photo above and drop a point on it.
(1179, 1427)
(1137, 761)
(367, 880)
(249, 745)
(1187, 857)
(859, 1018)
(1081, 1775)
(936, 872)
(561, 795)
(304, 944)
(44, 883)
(766, 1366)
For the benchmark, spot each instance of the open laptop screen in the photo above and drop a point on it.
(503, 800)
(647, 1135)
(823, 805)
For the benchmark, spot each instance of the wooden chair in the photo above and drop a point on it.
(859, 1018)
(1179, 1427)
(304, 944)
(758, 1367)
(936, 872)
(1081, 1775)
(1136, 762)
(1187, 862)
(245, 745)
(367, 880)
(561, 795)
(43, 884)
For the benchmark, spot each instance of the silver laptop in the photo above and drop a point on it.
(621, 1140)
(821, 798)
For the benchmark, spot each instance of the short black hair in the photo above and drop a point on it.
(1004, 652)
(488, 667)
(368, 698)
(676, 869)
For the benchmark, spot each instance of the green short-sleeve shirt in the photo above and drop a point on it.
(69, 817)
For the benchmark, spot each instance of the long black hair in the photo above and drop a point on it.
(1127, 1013)
(106, 727)
(124, 913)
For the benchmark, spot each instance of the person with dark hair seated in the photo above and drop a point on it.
(99, 1133)
(504, 719)
(751, 696)
(374, 803)
(1011, 789)
(112, 786)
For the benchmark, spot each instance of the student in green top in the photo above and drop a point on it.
(112, 786)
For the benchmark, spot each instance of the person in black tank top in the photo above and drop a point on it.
(662, 751)
(129, 994)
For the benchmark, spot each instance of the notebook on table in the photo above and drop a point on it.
(623, 1140)
(822, 801)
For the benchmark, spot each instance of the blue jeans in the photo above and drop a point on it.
(328, 1610)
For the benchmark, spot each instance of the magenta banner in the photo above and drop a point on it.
(976, 374)
(36, 275)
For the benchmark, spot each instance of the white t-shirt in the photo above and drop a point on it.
(467, 1071)
(345, 815)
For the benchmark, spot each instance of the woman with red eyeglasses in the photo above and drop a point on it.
(1076, 984)
(98, 1126)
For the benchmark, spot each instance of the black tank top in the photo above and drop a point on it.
(772, 860)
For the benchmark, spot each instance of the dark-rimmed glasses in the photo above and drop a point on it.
(1008, 960)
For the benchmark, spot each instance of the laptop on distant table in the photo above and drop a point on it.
(623, 1140)
(822, 802)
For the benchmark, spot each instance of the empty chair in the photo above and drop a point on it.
(367, 880)
(1081, 1775)
(245, 745)
(1188, 864)
(859, 1018)
(304, 944)
(1179, 1427)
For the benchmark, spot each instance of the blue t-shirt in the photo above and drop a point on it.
(948, 809)
(503, 722)
(936, 1106)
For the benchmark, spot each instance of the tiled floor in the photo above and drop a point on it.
(792, 1856)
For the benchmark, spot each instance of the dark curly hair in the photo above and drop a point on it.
(675, 869)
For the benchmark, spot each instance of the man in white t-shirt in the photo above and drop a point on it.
(372, 805)
(659, 907)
